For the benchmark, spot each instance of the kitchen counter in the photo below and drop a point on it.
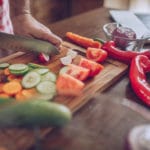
(104, 122)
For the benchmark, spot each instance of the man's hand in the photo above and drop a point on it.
(25, 24)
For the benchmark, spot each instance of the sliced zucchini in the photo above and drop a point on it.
(18, 67)
(34, 65)
(31, 79)
(4, 65)
(46, 97)
(49, 76)
(46, 87)
(41, 71)
(20, 72)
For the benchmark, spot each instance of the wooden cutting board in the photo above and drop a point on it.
(15, 139)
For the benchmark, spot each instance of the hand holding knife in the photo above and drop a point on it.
(21, 43)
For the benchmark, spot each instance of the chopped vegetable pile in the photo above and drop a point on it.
(23, 81)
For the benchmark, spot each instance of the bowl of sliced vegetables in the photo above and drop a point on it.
(124, 37)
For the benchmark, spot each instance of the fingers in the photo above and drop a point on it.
(51, 37)
(46, 34)
(29, 26)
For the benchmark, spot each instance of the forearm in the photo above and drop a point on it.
(25, 24)
(18, 7)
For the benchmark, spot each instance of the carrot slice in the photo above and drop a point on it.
(12, 77)
(19, 96)
(6, 72)
(83, 41)
(25, 94)
(28, 93)
(12, 88)
(4, 95)
(1, 87)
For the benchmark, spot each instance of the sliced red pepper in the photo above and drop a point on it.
(140, 65)
(83, 41)
(94, 67)
(78, 72)
(122, 55)
(43, 58)
(96, 54)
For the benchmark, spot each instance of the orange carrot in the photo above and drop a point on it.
(1, 87)
(25, 94)
(12, 77)
(19, 96)
(12, 88)
(4, 95)
(6, 72)
(28, 93)
(83, 41)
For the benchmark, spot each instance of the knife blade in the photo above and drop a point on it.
(21, 43)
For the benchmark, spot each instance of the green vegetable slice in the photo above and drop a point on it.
(18, 67)
(31, 79)
(20, 72)
(34, 65)
(99, 40)
(46, 97)
(46, 87)
(4, 65)
(50, 76)
(41, 71)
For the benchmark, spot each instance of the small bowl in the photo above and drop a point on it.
(134, 45)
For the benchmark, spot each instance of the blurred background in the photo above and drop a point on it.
(49, 11)
(142, 6)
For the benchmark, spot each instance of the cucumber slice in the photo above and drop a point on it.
(50, 76)
(31, 79)
(41, 71)
(18, 67)
(46, 97)
(21, 72)
(4, 65)
(33, 65)
(46, 87)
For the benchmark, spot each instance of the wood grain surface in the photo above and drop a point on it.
(104, 121)
(113, 70)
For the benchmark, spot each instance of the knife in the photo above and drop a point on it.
(21, 43)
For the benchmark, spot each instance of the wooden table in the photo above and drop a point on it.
(104, 122)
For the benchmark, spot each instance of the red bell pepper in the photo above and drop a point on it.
(43, 58)
(96, 54)
(122, 55)
(83, 41)
(140, 65)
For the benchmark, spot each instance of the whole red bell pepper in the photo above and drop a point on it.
(140, 65)
(122, 55)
